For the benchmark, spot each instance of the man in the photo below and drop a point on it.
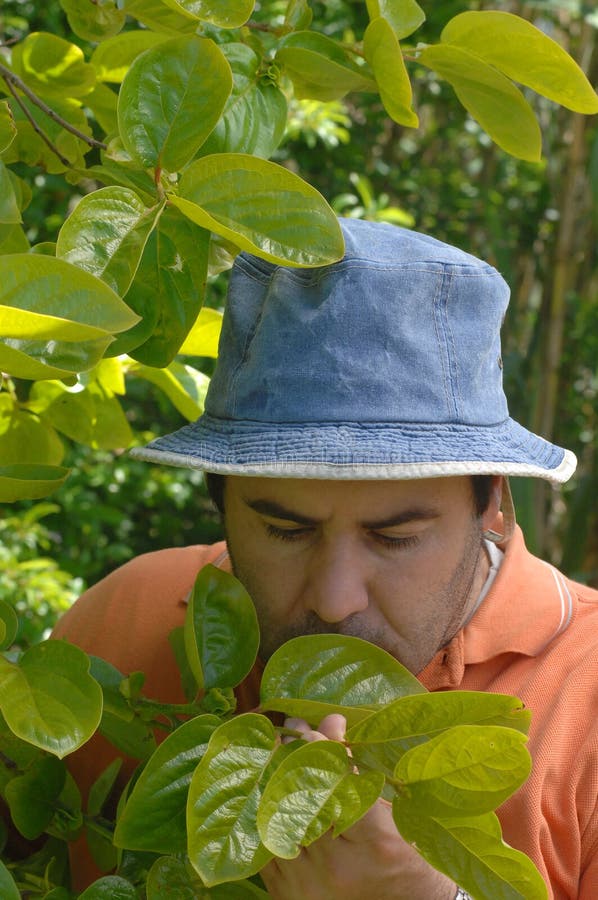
(358, 443)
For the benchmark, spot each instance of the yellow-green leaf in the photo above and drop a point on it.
(111, 59)
(8, 129)
(10, 214)
(489, 97)
(52, 66)
(404, 16)
(203, 338)
(382, 51)
(319, 67)
(223, 13)
(261, 207)
(27, 482)
(524, 53)
(93, 20)
(184, 386)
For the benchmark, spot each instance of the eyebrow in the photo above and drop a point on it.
(278, 511)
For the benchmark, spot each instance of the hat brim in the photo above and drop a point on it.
(368, 451)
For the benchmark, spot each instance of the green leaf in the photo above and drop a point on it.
(28, 147)
(319, 67)
(59, 318)
(32, 797)
(105, 235)
(10, 214)
(204, 336)
(94, 21)
(8, 129)
(154, 817)
(261, 207)
(383, 53)
(311, 790)
(13, 239)
(24, 439)
(223, 842)
(111, 59)
(170, 100)
(9, 625)
(472, 853)
(184, 386)
(168, 290)
(72, 412)
(381, 739)
(103, 104)
(8, 888)
(255, 115)
(111, 887)
(155, 14)
(49, 698)
(343, 671)
(404, 16)
(221, 630)
(27, 482)
(524, 53)
(489, 97)
(173, 878)
(222, 13)
(465, 770)
(52, 67)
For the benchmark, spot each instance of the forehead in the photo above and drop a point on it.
(352, 499)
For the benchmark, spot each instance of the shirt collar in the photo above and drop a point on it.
(528, 605)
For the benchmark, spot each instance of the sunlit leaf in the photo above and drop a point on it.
(29, 482)
(314, 788)
(524, 53)
(203, 338)
(383, 53)
(154, 817)
(223, 843)
(466, 770)
(489, 97)
(93, 20)
(184, 386)
(472, 853)
(8, 129)
(223, 13)
(49, 698)
(10, 214)
(261, 207)
(170, 100)
(158, 16)
(52, 66)
(111, 59)
(343, 671)
(382, 738)
(404, 16)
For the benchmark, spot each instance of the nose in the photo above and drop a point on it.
(336, 582)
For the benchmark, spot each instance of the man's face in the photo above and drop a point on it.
(398, 563)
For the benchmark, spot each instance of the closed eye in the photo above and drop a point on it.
(394, 542)
(287, 534)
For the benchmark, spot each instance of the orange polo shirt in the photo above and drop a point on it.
(535, 636)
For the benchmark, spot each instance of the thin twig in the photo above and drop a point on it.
(12, 79)
(37, 128)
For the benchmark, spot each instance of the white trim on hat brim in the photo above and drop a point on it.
(362, 471)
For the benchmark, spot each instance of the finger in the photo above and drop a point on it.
(305, 730)
(334, 727)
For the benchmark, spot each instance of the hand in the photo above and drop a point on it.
(370, 861)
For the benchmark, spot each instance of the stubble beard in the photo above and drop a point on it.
(455, 593)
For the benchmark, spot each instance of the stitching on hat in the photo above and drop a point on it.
(437, 306)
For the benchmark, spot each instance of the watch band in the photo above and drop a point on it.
(462, 895)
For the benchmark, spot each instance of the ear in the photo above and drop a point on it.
(493, 508)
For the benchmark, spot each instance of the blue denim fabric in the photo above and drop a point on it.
(385, 364)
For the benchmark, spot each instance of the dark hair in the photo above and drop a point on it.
(481, 485)
(215, 487)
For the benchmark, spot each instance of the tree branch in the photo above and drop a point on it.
(36, 127)
(13, 80)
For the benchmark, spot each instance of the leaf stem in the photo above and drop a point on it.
(37, 128)
(13, 81)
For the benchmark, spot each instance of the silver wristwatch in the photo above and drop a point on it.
(462, 895)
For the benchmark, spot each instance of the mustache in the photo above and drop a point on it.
(312, 624)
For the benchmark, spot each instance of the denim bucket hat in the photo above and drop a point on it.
(384, 365)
